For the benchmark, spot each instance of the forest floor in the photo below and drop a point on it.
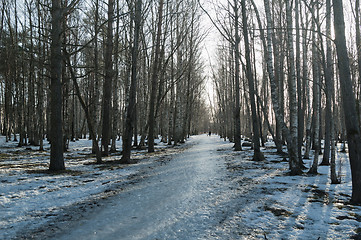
(199, 190)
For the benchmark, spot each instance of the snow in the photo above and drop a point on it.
(201, 190)
(30, 197)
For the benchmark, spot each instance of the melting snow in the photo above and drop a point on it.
(206, 192)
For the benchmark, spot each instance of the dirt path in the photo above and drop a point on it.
(196, 195)
(205, 190)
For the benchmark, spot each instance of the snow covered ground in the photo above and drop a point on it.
(201, 191)
(31, 197)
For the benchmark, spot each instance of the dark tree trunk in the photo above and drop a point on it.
(94, 99)
(348, 102)
(258, 156)
(154, 82)
(115, 109)
(107, 85)
(56, 150)
(358, 47)
(237, 110)
(329, 87)
(130, 112)
(300, 108)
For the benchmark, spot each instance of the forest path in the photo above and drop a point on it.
(196, 195)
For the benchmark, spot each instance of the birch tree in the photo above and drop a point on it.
(292, 88)
(316, 97)
(291, 140)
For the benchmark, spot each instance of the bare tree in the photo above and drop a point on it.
(237, 118)
(329, 128)
(258, 155)
(94, 93)
(300, 92)
(130, 111)
(294, 166)
(107, 84)
(316, 98)
(292, 88)
(86, 111)
(154, 80)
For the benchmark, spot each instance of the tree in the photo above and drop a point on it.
(300, 90)
(86, 111)
(107, 84)
(237, 118)
(154, 82)
(94, 86)
(348, 101)
(116, 99)
(130, 111)
(358, 47)
(291, 140)
(41, 95)
(292, 87)
(56, 132)
(258, 156)
(268, 61)
(316, 100)
(328, 89)
(278, 41)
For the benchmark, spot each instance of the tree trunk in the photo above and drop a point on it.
(40, 85)
(306, 93)
(94, 98)
(107, 85)
(334, 178)
(258, 155)
(329, 87)
(307, 97)
(358, 47)
(237, 110)
(269, 69)
(316, 106)
(292, 90)
(154, 82)
(348, 102)
(115, 110)
(274, 94)
(300, 108)
(172, 97)
(56, 150)
(129, 118)
(277, 41)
